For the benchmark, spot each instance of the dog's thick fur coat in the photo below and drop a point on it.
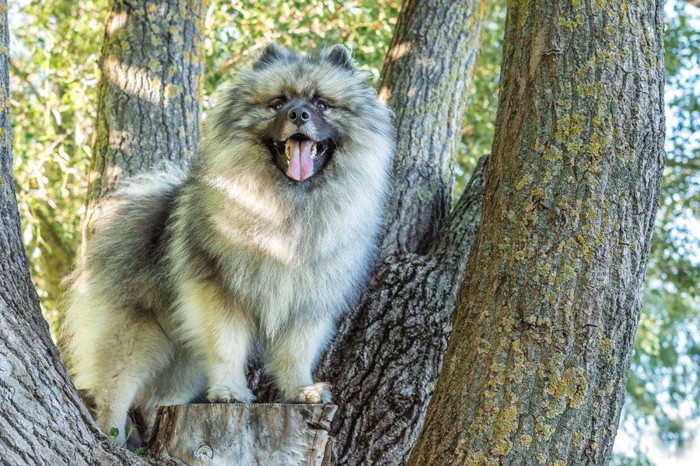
(187, 271)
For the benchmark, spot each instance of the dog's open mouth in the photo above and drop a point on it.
(300, 157)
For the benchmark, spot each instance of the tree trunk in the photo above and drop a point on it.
(537, 361)
(269, 434)
(386, 357)
(42, 419)
(149, 95)
(426, 78)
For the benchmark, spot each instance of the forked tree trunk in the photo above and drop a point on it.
(386, 357)
(543, 334)
(547, 315)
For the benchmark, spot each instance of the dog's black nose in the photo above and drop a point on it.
(299, 115)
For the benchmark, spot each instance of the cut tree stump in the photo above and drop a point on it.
(246, 434)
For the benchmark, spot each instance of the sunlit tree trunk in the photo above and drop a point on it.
(149, 106)
(543, 333)
(426, 81)
(42, 419)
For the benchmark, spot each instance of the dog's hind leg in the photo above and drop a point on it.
(127, 359)
(179, 383)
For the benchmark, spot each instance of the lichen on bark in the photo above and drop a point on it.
(151, 66)
(426, 81)
(537, 361)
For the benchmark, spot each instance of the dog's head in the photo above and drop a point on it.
(303, 109)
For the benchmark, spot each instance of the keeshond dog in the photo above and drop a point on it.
(264, 242)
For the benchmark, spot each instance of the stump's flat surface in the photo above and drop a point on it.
(246, 434)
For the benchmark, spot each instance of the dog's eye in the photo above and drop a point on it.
(277, 103)
(322, 105)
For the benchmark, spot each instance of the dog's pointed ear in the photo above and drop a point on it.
(270, 54)
(339, 55)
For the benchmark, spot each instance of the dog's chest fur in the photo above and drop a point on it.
(288, 256)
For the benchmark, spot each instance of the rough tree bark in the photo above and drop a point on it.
(42, 419)
(386, 358)
(426, 77)
(149, 109)
(543, 334)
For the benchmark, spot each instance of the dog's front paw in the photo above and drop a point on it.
(229, 393)
(314, 394)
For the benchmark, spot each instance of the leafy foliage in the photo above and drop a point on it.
(54, 52)
(238, 29)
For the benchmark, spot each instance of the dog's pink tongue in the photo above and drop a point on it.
(301, 165)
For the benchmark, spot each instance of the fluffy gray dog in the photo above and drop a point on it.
(266, 240)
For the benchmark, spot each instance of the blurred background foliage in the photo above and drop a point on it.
(55, 47)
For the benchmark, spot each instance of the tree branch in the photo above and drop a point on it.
(426, 80)
(457, 236)
(386, 357)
